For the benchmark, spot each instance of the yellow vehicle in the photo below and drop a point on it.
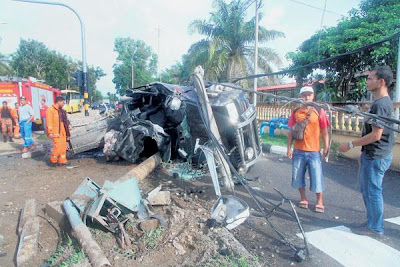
(73, 101)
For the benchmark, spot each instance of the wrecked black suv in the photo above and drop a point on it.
(165, 118)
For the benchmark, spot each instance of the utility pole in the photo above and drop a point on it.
(397, 93)
(132, 74)
(158, 29)
(254, 95)
(85, 78)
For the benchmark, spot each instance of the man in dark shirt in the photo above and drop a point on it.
(377, 143)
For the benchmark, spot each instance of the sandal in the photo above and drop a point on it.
(319, 208)
(303, 204)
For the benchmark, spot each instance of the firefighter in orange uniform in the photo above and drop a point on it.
(16, 126)
(8, 117)
(58, 131)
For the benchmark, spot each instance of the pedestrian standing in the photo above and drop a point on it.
(58, 131)
(8, 116)
(307, 125)
(43, 108)
(376, 144)
(26, 118)
(16, 123)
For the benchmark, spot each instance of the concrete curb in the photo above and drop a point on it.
(279, 150)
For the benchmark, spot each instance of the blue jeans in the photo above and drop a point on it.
(371, 179)
(26, 133)
(303, 160)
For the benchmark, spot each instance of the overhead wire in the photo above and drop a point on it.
(248, 189)
(316, 63)
(315, 7)
(385, 120)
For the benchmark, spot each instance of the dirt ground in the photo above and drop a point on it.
(187, 241)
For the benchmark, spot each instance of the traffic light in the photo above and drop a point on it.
(77, 78)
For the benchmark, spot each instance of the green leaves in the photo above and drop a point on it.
(373, 21)
(136, 55)
(33, 58)
(225, 52)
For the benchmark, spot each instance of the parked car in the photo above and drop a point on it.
(95, 105)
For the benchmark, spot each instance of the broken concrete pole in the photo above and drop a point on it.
(54, 210)
(28, 243)
(141, 171)
(82, 233)
(29, 211)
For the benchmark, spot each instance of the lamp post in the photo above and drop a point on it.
(85, 77)
(254, 95)
(397, 92)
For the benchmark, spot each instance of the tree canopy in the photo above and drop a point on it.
(136, 54)
(34, 58)
(228, 47)
(374, 20)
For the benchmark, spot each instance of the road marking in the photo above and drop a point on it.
(394, 220)
(350, 249)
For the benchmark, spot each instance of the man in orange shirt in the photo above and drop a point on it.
(58, 131)
(306, 154)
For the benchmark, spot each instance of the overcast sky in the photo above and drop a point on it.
(105, 20)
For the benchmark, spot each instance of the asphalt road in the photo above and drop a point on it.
(343, 208)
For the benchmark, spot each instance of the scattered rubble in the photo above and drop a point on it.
(158, 197)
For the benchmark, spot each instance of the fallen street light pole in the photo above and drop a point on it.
(85, 77)
(81, 232)
(198, 79)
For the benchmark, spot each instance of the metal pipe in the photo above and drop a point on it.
(209, 116)
(82, 233)
(83, 41)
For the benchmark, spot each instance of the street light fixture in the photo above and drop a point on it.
(84, 63)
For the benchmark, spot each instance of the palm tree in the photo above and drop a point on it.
(228, 49)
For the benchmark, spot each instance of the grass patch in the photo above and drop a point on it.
(151, 237)
(42, 137)
(278, 140)
(334, 149)
(235, 261)
(68, 255)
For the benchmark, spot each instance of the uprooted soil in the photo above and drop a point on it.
(187, 240)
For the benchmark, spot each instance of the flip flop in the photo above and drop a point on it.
(303, 204)
(319, 208)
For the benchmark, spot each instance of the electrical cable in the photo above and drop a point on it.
(246, 187)
(326, 60)
(55, 228)
(385, 120)
(315, 7)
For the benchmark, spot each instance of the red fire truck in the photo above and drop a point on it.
(12, 88)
